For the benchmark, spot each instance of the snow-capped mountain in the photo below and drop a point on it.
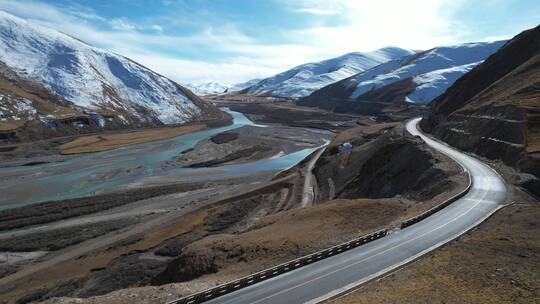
(432, 84)
(418, 78)
(433, 71)
(207, 88)
(304, 79)
(92, 81)
(243, 85)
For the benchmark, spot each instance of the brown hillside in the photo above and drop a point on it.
(494, 110)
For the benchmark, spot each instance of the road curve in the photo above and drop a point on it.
(308, 192)
(321, 280)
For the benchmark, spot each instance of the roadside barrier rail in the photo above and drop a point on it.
(263, 275)
(425, 214)
(260, 276)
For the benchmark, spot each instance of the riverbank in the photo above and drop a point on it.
(247, 144)
(49, 150)
(275, 111)
(134, 231)
(57, 177)
(97, 143)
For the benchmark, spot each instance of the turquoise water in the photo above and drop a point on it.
(85, 174)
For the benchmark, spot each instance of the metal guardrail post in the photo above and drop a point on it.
(277, 270)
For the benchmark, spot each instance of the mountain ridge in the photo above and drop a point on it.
(417, 78)
(101, 87)
(494, 110)
(303, 79)
(207, 88)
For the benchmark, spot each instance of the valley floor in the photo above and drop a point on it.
(180, 243)
(174, 235)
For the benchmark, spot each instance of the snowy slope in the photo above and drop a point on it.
(433, 70)
(304, 79)
(92, 78)
(432, 84)
(243, 85)
(207, 88)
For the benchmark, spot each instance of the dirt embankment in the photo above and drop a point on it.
(498, 262)
(494, 111)
(96, 143)
(57, 210)
(279, 237)
(383, 163)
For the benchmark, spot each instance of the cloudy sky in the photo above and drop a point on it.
(230, 41)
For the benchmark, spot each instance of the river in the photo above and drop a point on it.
(87, 174)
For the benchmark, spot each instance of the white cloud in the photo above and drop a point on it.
(157, 28)
(366, 25)
(359, 25)
(121, 24)
(317, 11)
(228, 72)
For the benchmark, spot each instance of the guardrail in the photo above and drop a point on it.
(277, 270)
(263, 275)
(439, 207)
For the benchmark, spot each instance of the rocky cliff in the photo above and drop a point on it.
(494, 111)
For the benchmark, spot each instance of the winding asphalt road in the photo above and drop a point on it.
(332, 276)
(308, 192)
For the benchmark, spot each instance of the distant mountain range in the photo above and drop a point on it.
(417, 78)
(307, 78)
(212, 87)
(50, 79)
(207, 88)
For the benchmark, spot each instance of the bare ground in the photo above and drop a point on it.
(498, 262)
(96, 143)
(274, 239)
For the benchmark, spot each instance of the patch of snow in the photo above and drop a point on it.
(432, 84)
(48, 121)
(503, 141)
(20, 108)
(459, 131)
(98, 119)
(17, 257)
(491, 117)
(123, 119)
(407, 99)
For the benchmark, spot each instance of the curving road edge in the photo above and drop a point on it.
(336, 275)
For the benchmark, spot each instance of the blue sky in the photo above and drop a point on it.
(236, 40)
